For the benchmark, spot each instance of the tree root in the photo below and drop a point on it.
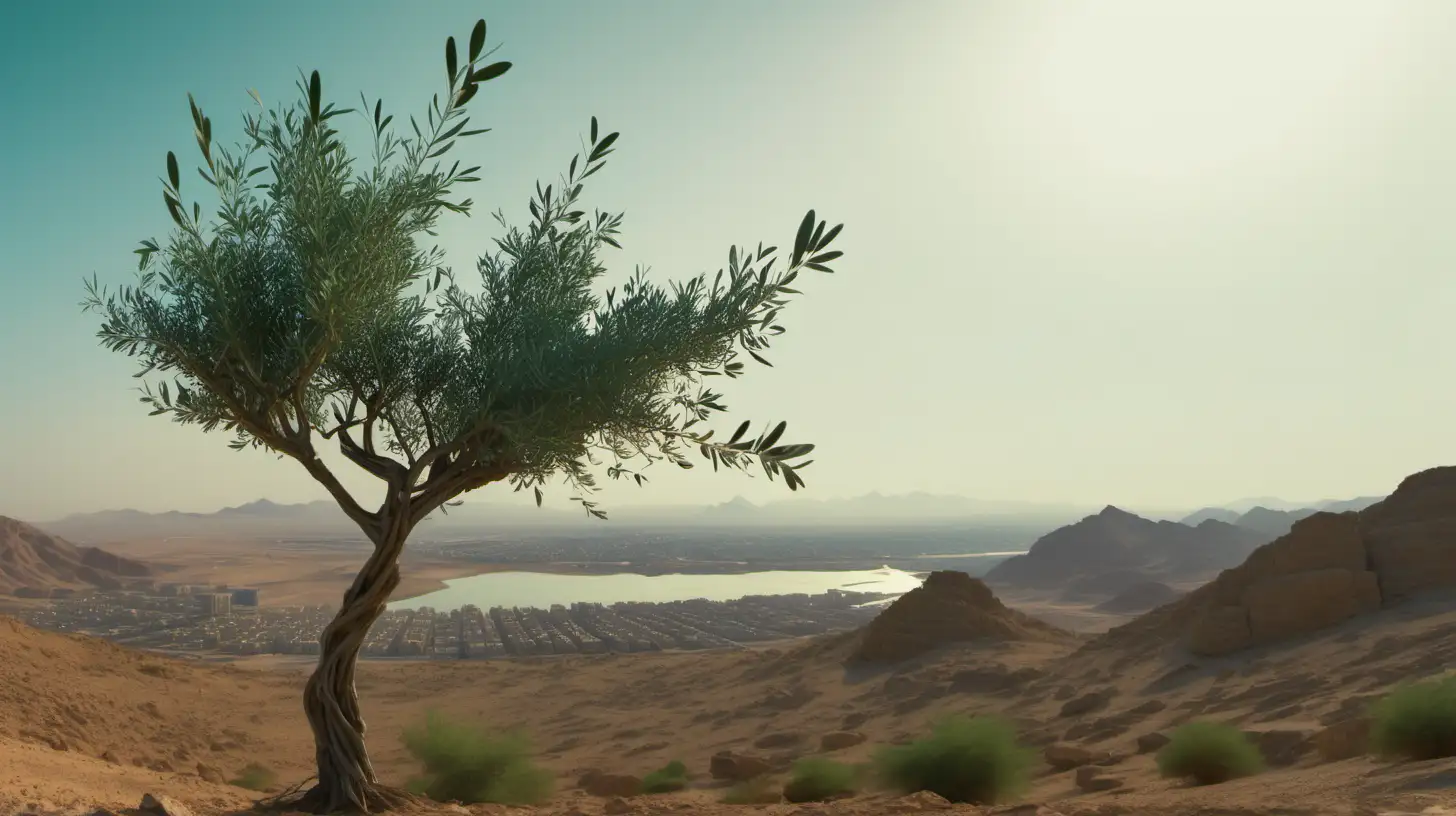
(317, 800)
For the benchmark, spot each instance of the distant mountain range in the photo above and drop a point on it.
(264, 517)
(1276, 517)
(323, 518)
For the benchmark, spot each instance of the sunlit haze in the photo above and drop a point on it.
(1153, 254)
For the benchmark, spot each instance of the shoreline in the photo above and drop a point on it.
(412, 590)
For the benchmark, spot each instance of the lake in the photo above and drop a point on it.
(541, 590)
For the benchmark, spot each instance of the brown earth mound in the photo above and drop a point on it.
(950, 607)
(1329, 568)
(34, 563)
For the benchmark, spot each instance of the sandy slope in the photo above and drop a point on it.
(65, 701)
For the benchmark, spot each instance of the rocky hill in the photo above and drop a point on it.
(950, 607)
(1115, 541)
(36, 564)
(1329, 568)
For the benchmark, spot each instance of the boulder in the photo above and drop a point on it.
(157, 805)
(778, 739)
(1152, 742)
(609, 785)
(210, 774)
(618, 806)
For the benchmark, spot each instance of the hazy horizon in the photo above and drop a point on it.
(1148, 254)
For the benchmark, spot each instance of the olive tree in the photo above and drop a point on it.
(309, 312)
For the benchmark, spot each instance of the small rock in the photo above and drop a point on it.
(612, 785)
(854, 720)
(210, 774)
(737, 767)
(617, 806)
(163, 806)
(778, 739)
(922, 801)
(110, 757)
(1150, 742)
(1093, 779)
(839, 740)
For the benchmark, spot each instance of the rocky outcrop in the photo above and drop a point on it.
(1410, 537)
(950, 607)
(1118, 549)
(1329, 568)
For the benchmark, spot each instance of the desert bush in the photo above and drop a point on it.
(976, 760)
(1417, 721)
(470, 764)
(256, 777)
(757, 791)
(817, 779)
(671, 777)
(1209, 753)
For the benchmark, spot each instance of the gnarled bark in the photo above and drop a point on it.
(346, 780)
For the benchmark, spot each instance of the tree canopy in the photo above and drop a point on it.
(310, 308)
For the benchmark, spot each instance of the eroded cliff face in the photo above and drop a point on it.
(1329, 568)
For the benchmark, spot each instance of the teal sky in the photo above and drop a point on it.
(1139, 252)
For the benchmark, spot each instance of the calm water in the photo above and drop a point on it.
(541, 589)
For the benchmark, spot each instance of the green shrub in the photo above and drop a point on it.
(1417, 721)
(470, 764)
(256, 777)
(818, 779)
(1209, 753)
(757, 791)
(976, 760)
(671, 777)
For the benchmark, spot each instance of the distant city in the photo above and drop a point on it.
(229, 621)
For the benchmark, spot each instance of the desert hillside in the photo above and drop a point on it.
(85, 723)
(37, 564)
(1329, 568)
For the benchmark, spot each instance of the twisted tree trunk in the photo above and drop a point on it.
(346, 780)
